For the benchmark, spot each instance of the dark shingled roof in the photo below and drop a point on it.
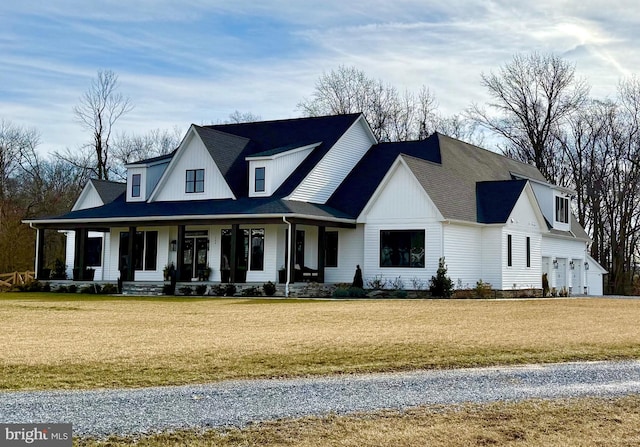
(267, 136)
(167, 157)
(108, 191)
(495, 200)
(280, 150)
(120, 209)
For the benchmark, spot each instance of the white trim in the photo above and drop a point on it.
(541, 182)
(383, 183)
(150, 165)
(283, 153)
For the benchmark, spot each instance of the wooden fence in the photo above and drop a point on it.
(8, 280)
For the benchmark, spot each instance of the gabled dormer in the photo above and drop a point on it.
(143, 176)
(269, 169)
(193, 173)
(98, 193)
(555, 203)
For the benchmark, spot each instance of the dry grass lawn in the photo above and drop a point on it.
(73, 341)
(582, 422)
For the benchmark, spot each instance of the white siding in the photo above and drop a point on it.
(350, 254)
(401, 204)
(327, 175)
(143, 184)
(564, 251)
(463, 254)
(492, 259)
(277, 170)
(140, 275)
(522, 223)
(193, 155)
(89, 198)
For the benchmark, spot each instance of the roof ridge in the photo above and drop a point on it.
(282, 120)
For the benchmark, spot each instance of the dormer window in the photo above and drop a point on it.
(194, 181)
(259, 179)
(562, 209)
(135, 185)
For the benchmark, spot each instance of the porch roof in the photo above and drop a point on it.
(122, 213)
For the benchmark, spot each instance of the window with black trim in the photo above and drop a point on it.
(194, 181)
(509, 250)
(135, 185)
(94, 252)
(562, 209)
(259, 179)
(257, 249)
(402, 248)
(331, 249)
(528, 251)
(145, 250)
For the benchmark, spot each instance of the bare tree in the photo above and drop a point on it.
(393, 116)
(128, 148)
(532, 96)
(241, 117)
(99, 109)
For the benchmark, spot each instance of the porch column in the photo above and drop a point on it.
(180, 252)
(40, 253)
(131, 269)
(321, 253)
(292, 255)
(235, 229)
(78, 259)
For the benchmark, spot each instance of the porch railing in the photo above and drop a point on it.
(8, 280)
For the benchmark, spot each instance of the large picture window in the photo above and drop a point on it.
(145, 250)
(402, 248)
(257, 249)
(194, 180)
(331, 249)
(562, 209)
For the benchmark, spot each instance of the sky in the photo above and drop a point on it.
(197, 61)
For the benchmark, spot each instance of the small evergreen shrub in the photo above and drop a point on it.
(340, 292)
(46, 287)
(399, 293)
(62, 289)
(251, 291)
(217, 290)
(269, 288)
(109, 289)
(73, 288)
(186, 290)
(483, 289)
(441, 285)
(201, 289)
(169, 289)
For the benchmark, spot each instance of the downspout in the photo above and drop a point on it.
(288, 267)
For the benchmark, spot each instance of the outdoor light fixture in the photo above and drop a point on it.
(586, 265)
(173, 246)
(555, 264)
(571, 265)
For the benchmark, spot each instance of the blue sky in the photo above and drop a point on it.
(197, 61)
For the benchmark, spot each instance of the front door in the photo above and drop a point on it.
(194, 256)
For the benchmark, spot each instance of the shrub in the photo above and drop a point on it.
(357, 292)
(59, 270)
(483, 289)
(169, 289)
(73, 288)
(340, 292)
(201, 289)
(417, 283)
(46, 287)
(441, 285)
(251, 291)
(109, 289)
(230, 289)
(269, 288)
(88, 289)
(186, 290)
(217, 290)
(62, 289)
(399, 293)
(397, 283)
(377, 283)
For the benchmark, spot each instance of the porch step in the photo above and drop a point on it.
(142, 288)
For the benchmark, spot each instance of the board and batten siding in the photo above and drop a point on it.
(350, 254)
(327, 175)
(492, 256)
(194, 155)
(401, 204)
(89, 198)
(463, 254)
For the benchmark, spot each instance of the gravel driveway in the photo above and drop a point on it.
(236, 403)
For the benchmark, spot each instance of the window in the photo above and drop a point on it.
(259, 180)
(562, 209)
(257, 249)
(402, 248)
(528, 251)
(331, 249)
(509, 250)
(135, 185)
(145, 250)
(195, 180)
(94, 252)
